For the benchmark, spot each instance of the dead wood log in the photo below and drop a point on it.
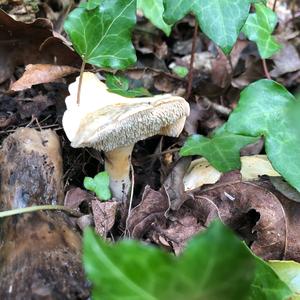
(40, 252)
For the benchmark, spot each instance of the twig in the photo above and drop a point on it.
(80, 81)
(266, 71)
(218, 107)
(274, 5)
(19, 211)
(191, 73)
(130, 200)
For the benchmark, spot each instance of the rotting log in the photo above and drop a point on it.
(40, 252)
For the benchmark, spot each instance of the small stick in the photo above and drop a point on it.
(266, 71)
(274, 5)
(131, 199)
(191, 73)
(80, 81)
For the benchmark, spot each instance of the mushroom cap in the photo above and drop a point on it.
(106, 121)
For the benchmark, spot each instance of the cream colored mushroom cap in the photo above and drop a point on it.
(106, 121)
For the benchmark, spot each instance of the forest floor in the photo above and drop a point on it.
(172, 200)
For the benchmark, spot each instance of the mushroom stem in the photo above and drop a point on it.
(117, 164)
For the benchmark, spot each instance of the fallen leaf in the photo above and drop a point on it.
(238, 202)
(34, 107)
(292, 212)
(75, 196)
(285, 189)
(287, 60)
(85, 221)
(104, 216)
(41, 73)
(199, 173)
(153, 220)
(255, 166)
(151, 209)
(173, 185)
(23, 44)
(264, 218)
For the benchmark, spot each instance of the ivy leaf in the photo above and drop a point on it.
(267, 109)
(130, 270)
(175, 10)
(222, 150)
(289, 272)
(180, 71)
(120, 85)
(220, 20)
(154, 10)
(259, 27)
(102, 35)
(268, 285)
(91, 4)
(99, 185)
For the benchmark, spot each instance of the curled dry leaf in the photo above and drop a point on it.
(104, 216)
(263, 217)
(200, 172)
(251, 210)
(148, 213)
(75, 196)
(41, 73)
(173, 185)
(285, 189)
(23, 43)
(149, 220)
(286, 61)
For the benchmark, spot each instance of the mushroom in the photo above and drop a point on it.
(113, 123)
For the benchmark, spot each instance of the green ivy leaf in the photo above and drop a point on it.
(175, 10)
(154, 10)
(268, 285)
(289, 272)
(102, 35)
(220, 20)
(267, 109)
(180, 71)
(131, 270)
(120, 85)
(259, 27)
(99, 185)
(91, 4)
(222, 150)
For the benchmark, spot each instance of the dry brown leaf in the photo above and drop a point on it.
(253, 211)
(264, 218)
(41, 73)
(152, 220)
(151, 209)
(287, 60)
(75, 196)
(23, 44)
(104, 216)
